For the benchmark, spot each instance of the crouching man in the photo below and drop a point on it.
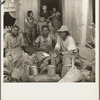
(66, 47)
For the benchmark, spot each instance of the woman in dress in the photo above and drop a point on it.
(30, 23)
(45, 13)
(55, 19)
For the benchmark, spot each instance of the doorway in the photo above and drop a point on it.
(8, 20)
(52, 4)
(93, 4)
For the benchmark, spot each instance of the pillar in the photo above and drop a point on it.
(85, 4)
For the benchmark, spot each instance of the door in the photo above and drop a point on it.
(52, 4)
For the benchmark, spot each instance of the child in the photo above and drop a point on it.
(41, 23)
(30, 23)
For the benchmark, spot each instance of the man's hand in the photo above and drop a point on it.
(56, 52)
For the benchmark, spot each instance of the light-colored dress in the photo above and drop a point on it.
(13, 45)
(30, 29)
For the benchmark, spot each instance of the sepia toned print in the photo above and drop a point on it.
(49, 41)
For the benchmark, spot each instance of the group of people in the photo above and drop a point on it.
(52, 38)
(47, 18)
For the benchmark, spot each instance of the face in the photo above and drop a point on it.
(44, 7)
(45, 31)
(54, 9)
(63, 35)
(42, 19)
(15, 31)
(31, 14)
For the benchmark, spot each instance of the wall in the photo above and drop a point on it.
(72, 17)
(90, 19)
(77, 16)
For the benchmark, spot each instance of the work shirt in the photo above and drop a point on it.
(45, 43)
(67, 45)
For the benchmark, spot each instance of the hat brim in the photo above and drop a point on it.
(62, 30)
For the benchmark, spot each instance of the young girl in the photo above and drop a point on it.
(30, 23)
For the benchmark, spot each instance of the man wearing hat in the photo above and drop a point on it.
(66, 46)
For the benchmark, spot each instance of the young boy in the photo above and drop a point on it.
(41, 23)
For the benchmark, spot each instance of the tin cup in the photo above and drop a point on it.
(34, 70)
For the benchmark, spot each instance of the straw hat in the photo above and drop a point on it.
(63, 28)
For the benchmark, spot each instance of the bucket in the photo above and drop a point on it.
(34, 70)
(51, 70)
(53, 61)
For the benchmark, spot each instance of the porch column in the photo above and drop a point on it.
(24, 6)
(17, 12)
(85, 4)
(35, 7)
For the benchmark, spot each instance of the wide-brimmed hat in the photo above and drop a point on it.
(63, 28)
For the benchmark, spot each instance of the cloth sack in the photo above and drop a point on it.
(73, 75)
(17, 72)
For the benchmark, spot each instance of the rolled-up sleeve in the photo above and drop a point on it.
(58, 44)
(71, 44)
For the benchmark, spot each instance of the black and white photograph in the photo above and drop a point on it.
(48, 41)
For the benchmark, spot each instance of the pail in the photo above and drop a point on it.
(34, 70)
(53, 61)
(51, 70)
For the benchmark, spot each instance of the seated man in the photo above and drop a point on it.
(14, 43)
(46, 41)
(66, 46)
